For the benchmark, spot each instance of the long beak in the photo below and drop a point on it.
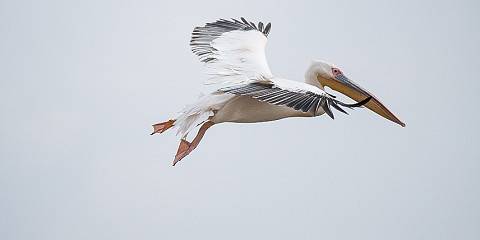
(347, 87)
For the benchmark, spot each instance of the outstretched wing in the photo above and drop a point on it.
(299, 96)
(232, 50)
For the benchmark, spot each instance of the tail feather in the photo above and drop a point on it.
(193, 115)
(187, 122)
(199, 112)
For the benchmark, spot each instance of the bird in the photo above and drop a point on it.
(233, 54)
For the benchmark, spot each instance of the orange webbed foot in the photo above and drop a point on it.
(162, 127)
(183, 151)
(186, 147)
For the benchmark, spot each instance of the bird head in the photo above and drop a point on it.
(324, 74)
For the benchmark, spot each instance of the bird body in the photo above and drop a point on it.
(245, 109)
(234, 55)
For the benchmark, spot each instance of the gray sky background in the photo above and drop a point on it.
(82, 81)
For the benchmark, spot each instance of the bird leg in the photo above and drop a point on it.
(162, 127)
(186, 147)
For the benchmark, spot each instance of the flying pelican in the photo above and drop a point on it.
(233, 52)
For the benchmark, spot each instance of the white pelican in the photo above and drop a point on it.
(234, 55)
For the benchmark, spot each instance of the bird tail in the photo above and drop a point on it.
(194, 114)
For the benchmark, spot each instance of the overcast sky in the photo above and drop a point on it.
(81, 82)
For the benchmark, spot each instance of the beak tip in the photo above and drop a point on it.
(402, 124)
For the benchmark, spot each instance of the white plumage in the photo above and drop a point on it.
(233, 52)
(240, 57)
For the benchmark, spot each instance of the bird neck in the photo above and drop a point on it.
(311, 78)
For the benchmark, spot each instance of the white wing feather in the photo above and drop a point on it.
(233, 51)
(240, 57)
(295, 86)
